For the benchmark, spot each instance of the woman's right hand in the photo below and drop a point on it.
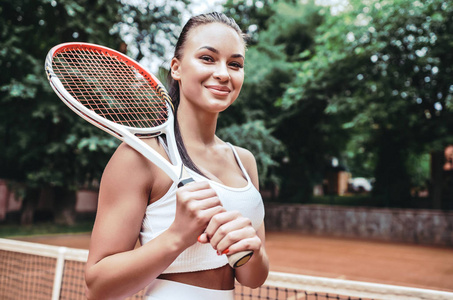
(196, 204)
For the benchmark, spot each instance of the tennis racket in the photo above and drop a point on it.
(116, 94)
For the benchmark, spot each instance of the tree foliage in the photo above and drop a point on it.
(384, 71)
(371, 85)
(42, 143)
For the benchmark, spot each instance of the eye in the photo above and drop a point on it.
(206, 58)
(236, 65)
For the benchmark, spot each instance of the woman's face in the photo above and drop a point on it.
(211, 69)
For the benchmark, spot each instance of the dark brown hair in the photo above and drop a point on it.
(173, 85)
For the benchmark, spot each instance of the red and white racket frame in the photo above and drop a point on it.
(130, 135)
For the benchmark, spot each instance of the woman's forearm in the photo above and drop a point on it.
(123, 274)
(254, 273)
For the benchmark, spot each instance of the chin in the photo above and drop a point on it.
(222, 106)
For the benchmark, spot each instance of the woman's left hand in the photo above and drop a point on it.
(229, 232)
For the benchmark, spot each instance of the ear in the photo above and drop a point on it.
(174, 67)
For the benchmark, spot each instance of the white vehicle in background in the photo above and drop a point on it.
(360, 185)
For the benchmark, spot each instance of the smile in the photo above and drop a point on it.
(220, 90)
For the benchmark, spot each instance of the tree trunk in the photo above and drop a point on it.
(64, 206)
(437, 162)
(29, 204)
(392, 178)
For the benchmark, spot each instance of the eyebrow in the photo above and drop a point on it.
(217, 52)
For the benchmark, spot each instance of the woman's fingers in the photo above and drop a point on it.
(239, 240)
(196, 204)
(195, 191)
(200, 214)
(231, 232)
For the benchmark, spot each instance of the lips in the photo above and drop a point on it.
(220, 90)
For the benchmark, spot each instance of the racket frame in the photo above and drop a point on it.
(130, 135)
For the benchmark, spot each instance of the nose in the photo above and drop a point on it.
(221, 72)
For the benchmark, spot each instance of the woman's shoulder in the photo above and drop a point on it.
(248, 161)
(245, 155)
(129, 154)
(127, 161)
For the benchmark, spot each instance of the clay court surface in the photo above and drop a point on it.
(370, 261)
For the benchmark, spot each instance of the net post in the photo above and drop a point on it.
(59, 268)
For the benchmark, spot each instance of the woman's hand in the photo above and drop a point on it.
(229, 232)
(196, 204)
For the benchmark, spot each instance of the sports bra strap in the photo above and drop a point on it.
(239, 162)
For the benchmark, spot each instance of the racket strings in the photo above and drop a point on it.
(111, 88)
(121, 92)
(124, 94)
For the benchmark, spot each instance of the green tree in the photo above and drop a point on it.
(43, 145)
(384, 71)
(251, 16)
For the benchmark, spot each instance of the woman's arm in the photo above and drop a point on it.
(254, 273)
(115, 269)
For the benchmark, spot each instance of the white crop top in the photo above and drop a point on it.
(161, 213)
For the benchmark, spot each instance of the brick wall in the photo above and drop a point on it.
(8, 201)
(429, 227)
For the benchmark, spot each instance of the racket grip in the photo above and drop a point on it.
(184, 178)
(239, 259)
(183, 182)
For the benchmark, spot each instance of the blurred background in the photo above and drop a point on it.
(346, 103)
(347, 106)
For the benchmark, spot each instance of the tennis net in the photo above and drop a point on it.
(37, 271)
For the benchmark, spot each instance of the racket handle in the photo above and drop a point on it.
(183, 182)
(184, 178)
(239, 259)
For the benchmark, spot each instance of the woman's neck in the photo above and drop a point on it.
(197, 127)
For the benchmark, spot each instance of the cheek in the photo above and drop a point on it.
(238, 80)
(197, 71)
(191, 81)
(189, 88)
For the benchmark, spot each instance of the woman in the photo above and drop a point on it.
(185, 232)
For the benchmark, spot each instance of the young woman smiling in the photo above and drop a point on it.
(186, 233)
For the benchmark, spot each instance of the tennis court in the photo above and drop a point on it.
(331, 267)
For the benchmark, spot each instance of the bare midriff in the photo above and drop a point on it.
(216, 279)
